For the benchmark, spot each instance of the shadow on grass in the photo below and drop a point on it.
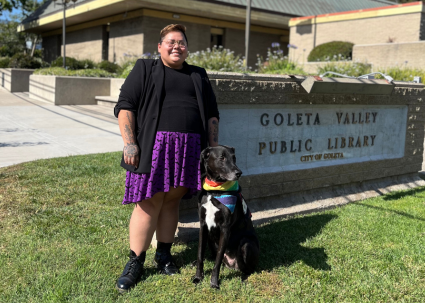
(402, 194)
(391, 210)
(280, 244)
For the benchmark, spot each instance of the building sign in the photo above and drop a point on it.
(273, 138)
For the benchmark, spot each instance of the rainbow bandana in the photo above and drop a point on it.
(227, 199)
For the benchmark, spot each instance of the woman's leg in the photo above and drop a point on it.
(144, 221)
(169, 214)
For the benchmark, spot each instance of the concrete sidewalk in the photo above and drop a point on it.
(31, 130)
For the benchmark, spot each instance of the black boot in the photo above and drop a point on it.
(132, 272)
(163, 260)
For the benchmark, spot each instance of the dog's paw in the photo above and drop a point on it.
(214, 285)
(197, 279)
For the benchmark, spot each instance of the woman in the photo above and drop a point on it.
(167, 113)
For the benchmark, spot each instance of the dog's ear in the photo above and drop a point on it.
(232, 149)
(204, 156)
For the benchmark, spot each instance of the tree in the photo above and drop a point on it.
(12, 42)
(8, 5)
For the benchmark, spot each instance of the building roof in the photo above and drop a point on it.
(309, 7)
(397, 9)
(272, 13)
(49, 7)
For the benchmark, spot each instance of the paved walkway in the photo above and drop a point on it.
(31, 130)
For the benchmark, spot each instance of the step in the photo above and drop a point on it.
(107, 100)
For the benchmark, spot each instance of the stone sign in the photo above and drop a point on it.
(274, 138)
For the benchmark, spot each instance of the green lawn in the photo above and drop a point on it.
(63, 238)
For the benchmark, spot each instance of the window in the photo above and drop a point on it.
(217, 37)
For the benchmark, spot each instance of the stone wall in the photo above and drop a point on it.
(399, 28)
(407, 54)
(249, 96)
(85, 44)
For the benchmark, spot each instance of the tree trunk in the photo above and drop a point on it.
(33, 46)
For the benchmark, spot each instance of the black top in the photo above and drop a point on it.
(143, 93)
(180, 110)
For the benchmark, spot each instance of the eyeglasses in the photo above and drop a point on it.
(180, 43)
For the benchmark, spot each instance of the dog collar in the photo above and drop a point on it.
(220, 186)
(230, 190)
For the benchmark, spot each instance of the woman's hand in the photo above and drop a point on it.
(131, 154)
(127, 123)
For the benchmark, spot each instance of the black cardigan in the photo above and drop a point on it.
(143, 94)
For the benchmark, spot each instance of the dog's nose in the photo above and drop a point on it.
(238, 174)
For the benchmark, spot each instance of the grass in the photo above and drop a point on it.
(63, 238)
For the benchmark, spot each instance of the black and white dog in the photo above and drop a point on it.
(225, 220)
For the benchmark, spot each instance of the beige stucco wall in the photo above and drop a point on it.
(409, 54)
(234, 40)
(85, 44)
(197, 34)
(125, 37)
(140, 35)
(400, 28)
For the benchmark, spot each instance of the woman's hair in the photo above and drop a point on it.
(173, 28)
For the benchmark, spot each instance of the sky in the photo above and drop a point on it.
(6, 15)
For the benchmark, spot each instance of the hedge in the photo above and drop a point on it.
(331, 51)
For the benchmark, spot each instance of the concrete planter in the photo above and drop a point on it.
(112, 98)
(116, 86)
(15, 79)
(62, 90)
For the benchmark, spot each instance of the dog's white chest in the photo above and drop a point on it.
(210, 211)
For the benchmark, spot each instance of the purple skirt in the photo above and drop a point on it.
(175, 162)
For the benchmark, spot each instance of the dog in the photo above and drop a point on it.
(225, 220)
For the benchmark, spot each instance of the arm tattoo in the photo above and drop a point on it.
(128, 129)
(214, 131)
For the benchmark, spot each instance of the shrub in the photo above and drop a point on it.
(71, 63)
(4, 52)
(38, 53)
(129, 61)
(60, 71)
(331, 51)
(87, 63)
(217, 59)
(21, 60)
(354, 69)
(92, 73)
(277, 63)
(109, 66)
(4, 62)
(402, 73)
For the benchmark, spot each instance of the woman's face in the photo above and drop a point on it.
(173, 55)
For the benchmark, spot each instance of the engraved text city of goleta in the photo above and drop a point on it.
(335, 145)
